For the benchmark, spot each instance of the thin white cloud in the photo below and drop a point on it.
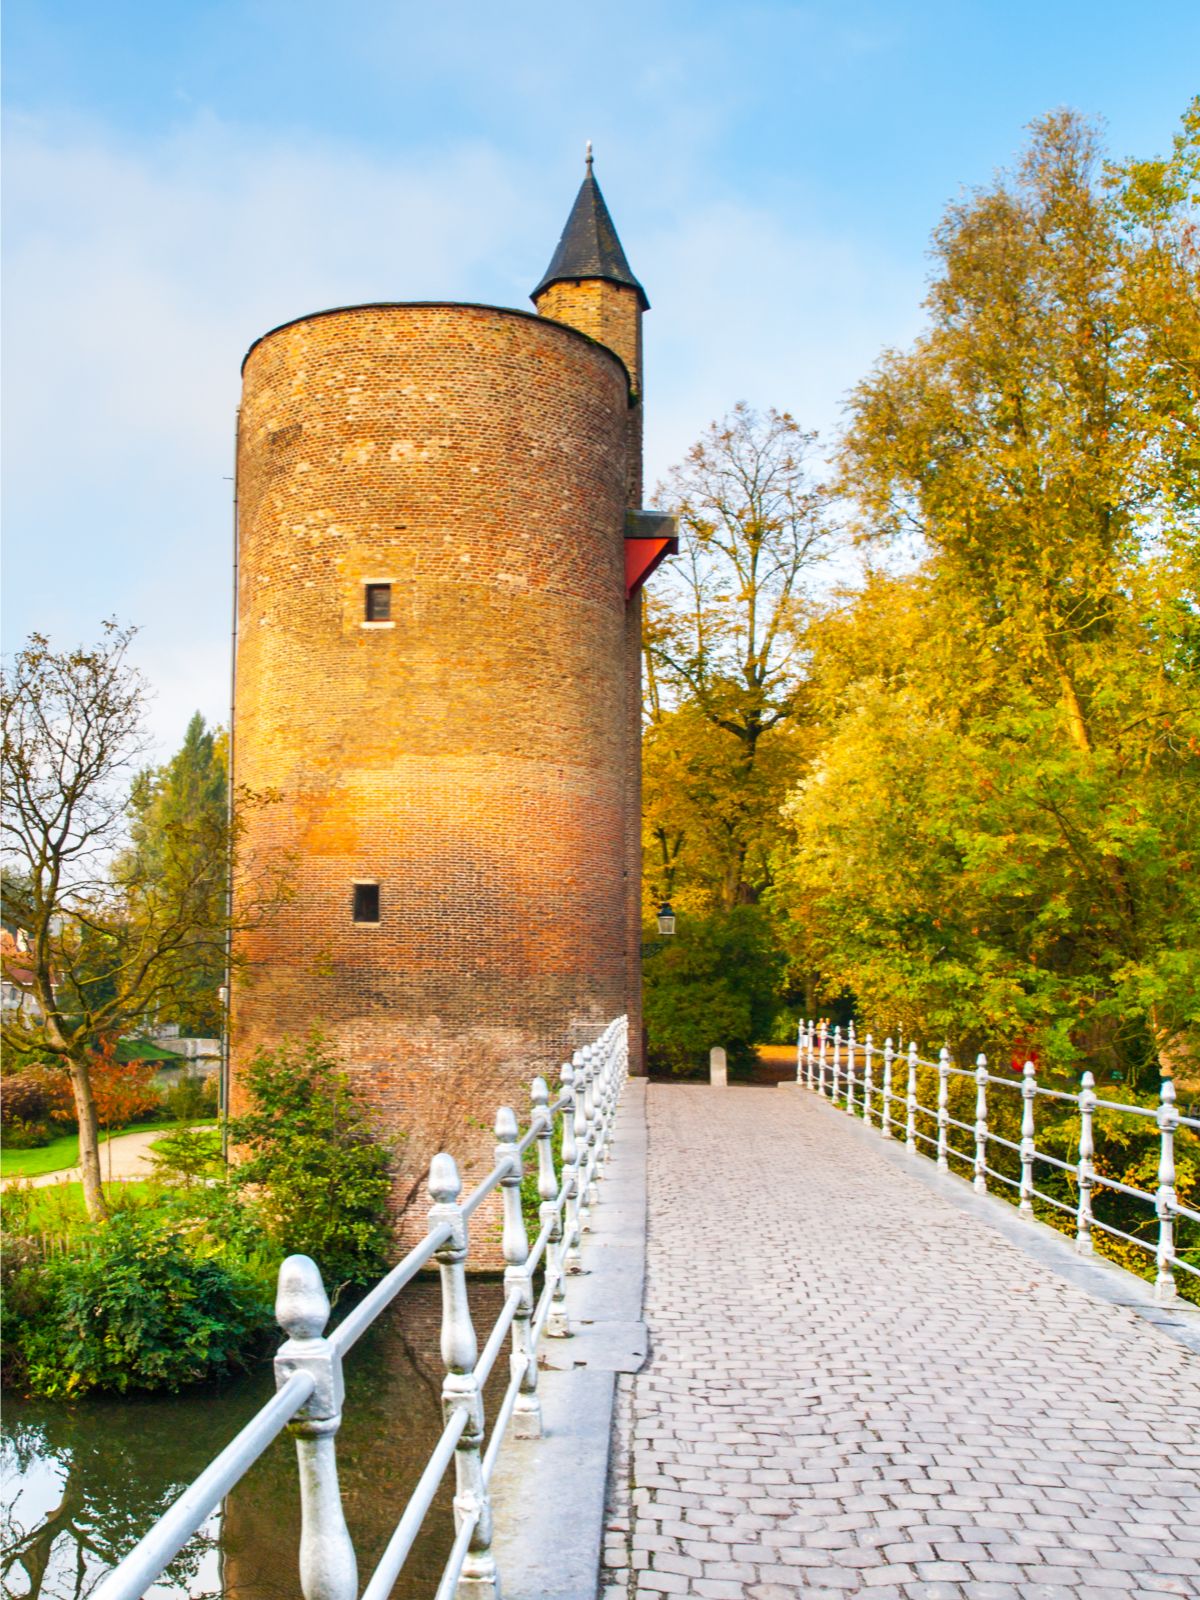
(137, 276)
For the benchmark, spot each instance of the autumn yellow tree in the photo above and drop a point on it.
(1000, 833)
(725, 662)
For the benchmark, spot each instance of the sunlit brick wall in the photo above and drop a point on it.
(474, 757)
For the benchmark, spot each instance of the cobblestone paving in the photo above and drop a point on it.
(856, 1388)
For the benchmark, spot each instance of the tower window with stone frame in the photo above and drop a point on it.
(366, 902)
(377, 605)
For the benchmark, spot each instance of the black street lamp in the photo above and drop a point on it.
(666, 919)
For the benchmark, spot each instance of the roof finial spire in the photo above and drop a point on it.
(589, 247)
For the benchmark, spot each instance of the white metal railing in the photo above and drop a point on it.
(308, 1367)
(827, 1062)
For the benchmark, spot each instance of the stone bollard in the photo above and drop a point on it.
(718, 1075)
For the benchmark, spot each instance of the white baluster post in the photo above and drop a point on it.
(1028, 1147)
(1087, 1152)
(822, 1032)
(328, 1570)
(514, 1246)
(460, 1387)
(981, 1122)
(592, 1057)
(851, 1041)
(1168, 1121)
(910, 1122)
(583, 1118)
(837, 1063)
(943, 1116)
(606, 1050)
(868, 1047)
(572, 1228)
(557, 1326)
(888, 1058)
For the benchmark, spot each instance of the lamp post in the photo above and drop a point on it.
(666, 919)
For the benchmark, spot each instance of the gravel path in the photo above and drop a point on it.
(130, 1159)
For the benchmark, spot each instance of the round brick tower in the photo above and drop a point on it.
(437, 678)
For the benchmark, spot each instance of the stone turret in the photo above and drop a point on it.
(438, 674)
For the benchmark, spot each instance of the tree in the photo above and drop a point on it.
(122, 1090)
(724, 663)
(312, 1149)
(178, 811)
(16, 890)
(72, 727)
(116, 935)
(999, 836)
(714, 983)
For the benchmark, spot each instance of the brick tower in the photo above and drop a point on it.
(438, 673)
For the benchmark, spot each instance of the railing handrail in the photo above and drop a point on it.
(308, 1366)
(812, 1047)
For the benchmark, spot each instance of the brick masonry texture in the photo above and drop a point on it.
(478, 756)
(612, 314)
(856, 1388)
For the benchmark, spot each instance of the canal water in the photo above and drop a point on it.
(82, 1483)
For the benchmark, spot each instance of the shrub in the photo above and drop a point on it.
(191, 1099)
(123, 1090)
(18, 1135)
(311, 1149)
(36, 1094)
(131, 1306)
(716, 981)
(188, 1156)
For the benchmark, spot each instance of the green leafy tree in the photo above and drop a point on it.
(724, 663)
(118, 937)
(177, 815)
(715, 982)
(311, 1148)
(188, 1156)
(998, 840)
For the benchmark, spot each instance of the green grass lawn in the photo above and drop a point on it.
(62, 1153)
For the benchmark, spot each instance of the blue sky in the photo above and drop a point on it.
(180, 177)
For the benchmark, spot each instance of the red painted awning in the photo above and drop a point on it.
(650, 538)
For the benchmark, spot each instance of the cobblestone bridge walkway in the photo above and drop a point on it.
(855, 1386)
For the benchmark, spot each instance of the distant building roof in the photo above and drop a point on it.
(589, 247)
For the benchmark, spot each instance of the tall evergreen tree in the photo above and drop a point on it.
(178, 833)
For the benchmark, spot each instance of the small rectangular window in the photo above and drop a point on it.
(379, 602)
(366, 902)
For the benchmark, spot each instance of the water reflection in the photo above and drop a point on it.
(83, 1483)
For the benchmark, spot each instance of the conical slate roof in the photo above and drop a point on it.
(589, 247)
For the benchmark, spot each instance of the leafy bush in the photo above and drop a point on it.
(311, 1149)
(36, 1094)
(191, 1099)
(716, 982)
(188, 1156)
(131, 1305)
(123, 1090)
(18, 1135)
